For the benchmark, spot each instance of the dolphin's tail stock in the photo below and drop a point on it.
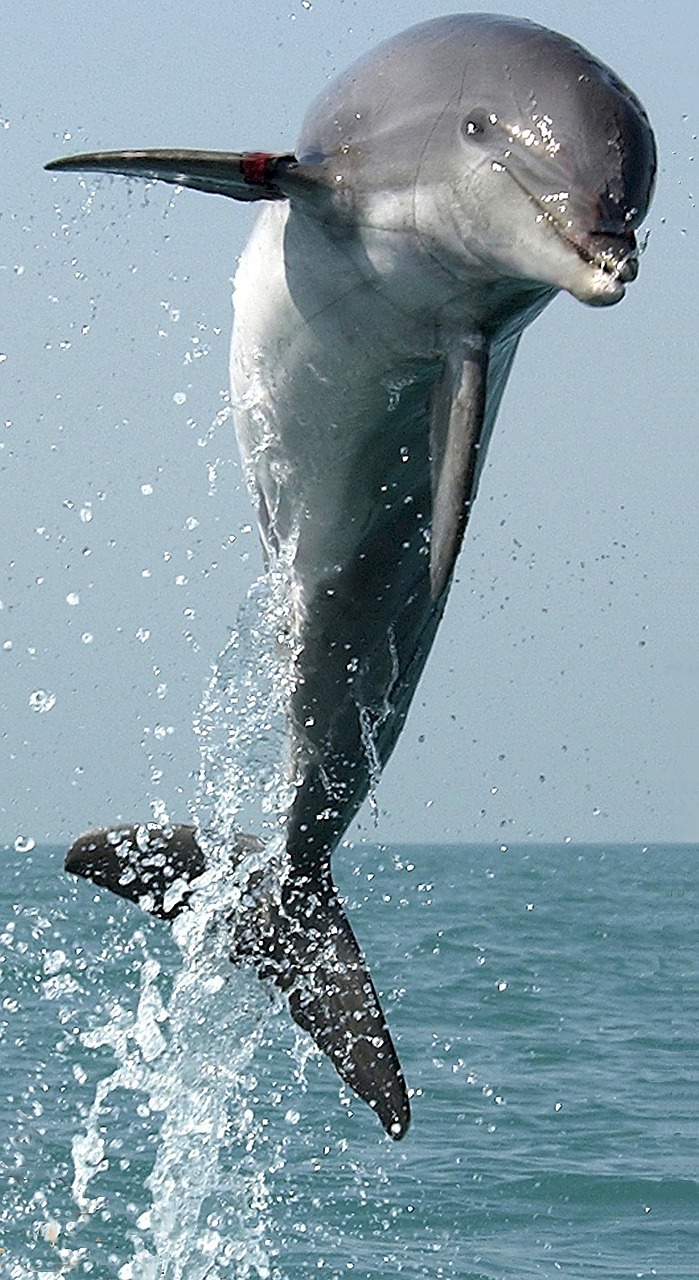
(302, 941)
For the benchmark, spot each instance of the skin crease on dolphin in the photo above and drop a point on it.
(443, 190)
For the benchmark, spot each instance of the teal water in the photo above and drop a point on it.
(545, 1002)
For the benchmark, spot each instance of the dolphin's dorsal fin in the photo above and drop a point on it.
(303, 941)
(241, 175)
(456, 429)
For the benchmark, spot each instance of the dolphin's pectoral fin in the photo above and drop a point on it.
(241, 175)
(456, 427)
(305, 945)
(316, 960)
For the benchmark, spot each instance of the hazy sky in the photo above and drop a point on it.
(562, 696)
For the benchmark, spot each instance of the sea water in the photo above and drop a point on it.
(545, 1005)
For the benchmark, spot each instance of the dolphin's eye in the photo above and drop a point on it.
(475, 123)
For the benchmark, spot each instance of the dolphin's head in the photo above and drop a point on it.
(521, 154)
(564, 157)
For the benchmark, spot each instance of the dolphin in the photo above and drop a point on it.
(443, 190)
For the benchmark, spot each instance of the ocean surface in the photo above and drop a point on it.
(161, 1117)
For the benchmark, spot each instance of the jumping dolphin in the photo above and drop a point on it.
(443, 190)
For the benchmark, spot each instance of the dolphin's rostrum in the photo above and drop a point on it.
(443, 190)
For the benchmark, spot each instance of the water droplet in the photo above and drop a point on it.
(24, 844)
(146, 490)
(40, 700)
(51, 1231)
(54, 961)
(72, 598)
(179, 397)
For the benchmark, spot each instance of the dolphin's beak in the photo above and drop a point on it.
(613, 263)
(605, 245)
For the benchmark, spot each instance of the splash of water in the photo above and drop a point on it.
(191, 1055)
(200, 1083)
(242, 725)
(371, 721)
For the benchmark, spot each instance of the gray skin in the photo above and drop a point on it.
(442, 191)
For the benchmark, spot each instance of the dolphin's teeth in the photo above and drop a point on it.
(624, 268)
(620, 266)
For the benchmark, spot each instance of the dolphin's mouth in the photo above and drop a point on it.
(613, 254)
(616, 253)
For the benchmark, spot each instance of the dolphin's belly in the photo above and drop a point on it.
(332, 392)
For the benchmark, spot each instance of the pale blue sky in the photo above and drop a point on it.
(562, 697)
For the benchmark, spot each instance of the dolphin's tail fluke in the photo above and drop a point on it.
(317, 961)
(303, 942)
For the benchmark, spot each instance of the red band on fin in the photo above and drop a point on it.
(253, 166)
